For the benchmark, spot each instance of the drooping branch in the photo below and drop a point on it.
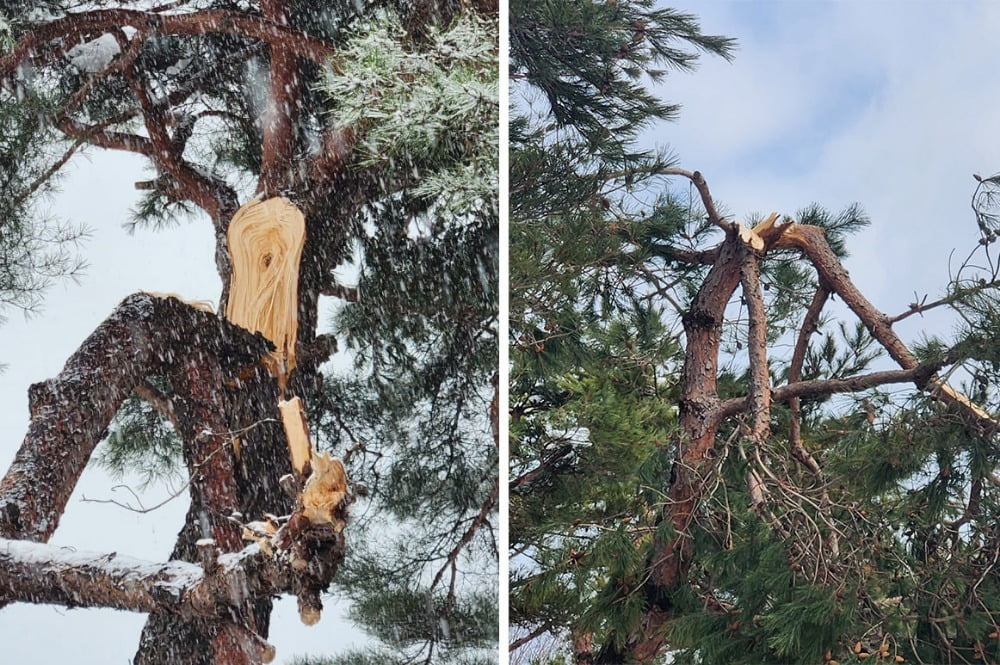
(812, 241)
(145, 335)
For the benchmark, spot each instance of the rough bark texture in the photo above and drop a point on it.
(92, 579)
(701, 412)
(220, 398)
(145, 336)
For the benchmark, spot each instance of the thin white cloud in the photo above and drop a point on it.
(889, 104)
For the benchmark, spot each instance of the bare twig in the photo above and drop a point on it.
(706, 196)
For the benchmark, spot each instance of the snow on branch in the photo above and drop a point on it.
(143, 336)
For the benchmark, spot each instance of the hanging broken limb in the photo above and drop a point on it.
(150, 336)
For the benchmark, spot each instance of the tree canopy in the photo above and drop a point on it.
(379, 121)
(706, 460)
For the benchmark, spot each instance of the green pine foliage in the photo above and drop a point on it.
(593, 380)
(410, 417)
(414, 409)
(889, 554)
(36, 249)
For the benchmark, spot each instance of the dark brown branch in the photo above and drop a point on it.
(129, 51)
(921, 307)
(83, 25)
(318, 351)
(809, 323)
(145, 335)
(98, 136)
(706, 196)
(211, 195)
(48, 173)
(705, 257)
(41, 573)
(159, 401)
(918, 375)
(811, 240)
(552, 463)
(281, 116)
(477, 522)
(521, 641)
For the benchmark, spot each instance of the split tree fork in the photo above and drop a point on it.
(735, 262)
(224, 392)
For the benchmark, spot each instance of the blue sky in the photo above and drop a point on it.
(892, 105)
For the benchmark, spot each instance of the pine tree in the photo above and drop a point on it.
(682, 483)
(377, 120)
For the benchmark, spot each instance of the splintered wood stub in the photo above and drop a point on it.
(325, 491)
(297, 433)
(265, 242)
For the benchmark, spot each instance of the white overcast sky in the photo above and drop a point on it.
(889, 104)
(99, 192)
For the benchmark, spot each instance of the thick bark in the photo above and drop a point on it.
(212, 195)
(145, 335)
(223, 403)
(245, 477)
(205, 603)
(92, 579)
(224, 406)
(701, 411)
(669, 561)
(280, 119)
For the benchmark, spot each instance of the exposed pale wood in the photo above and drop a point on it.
(203, 305)
(750, 237)
(265, 242)
(770, 230)
(325, 491)
(297, 433)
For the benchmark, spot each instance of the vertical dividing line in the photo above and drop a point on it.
(503, 453)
